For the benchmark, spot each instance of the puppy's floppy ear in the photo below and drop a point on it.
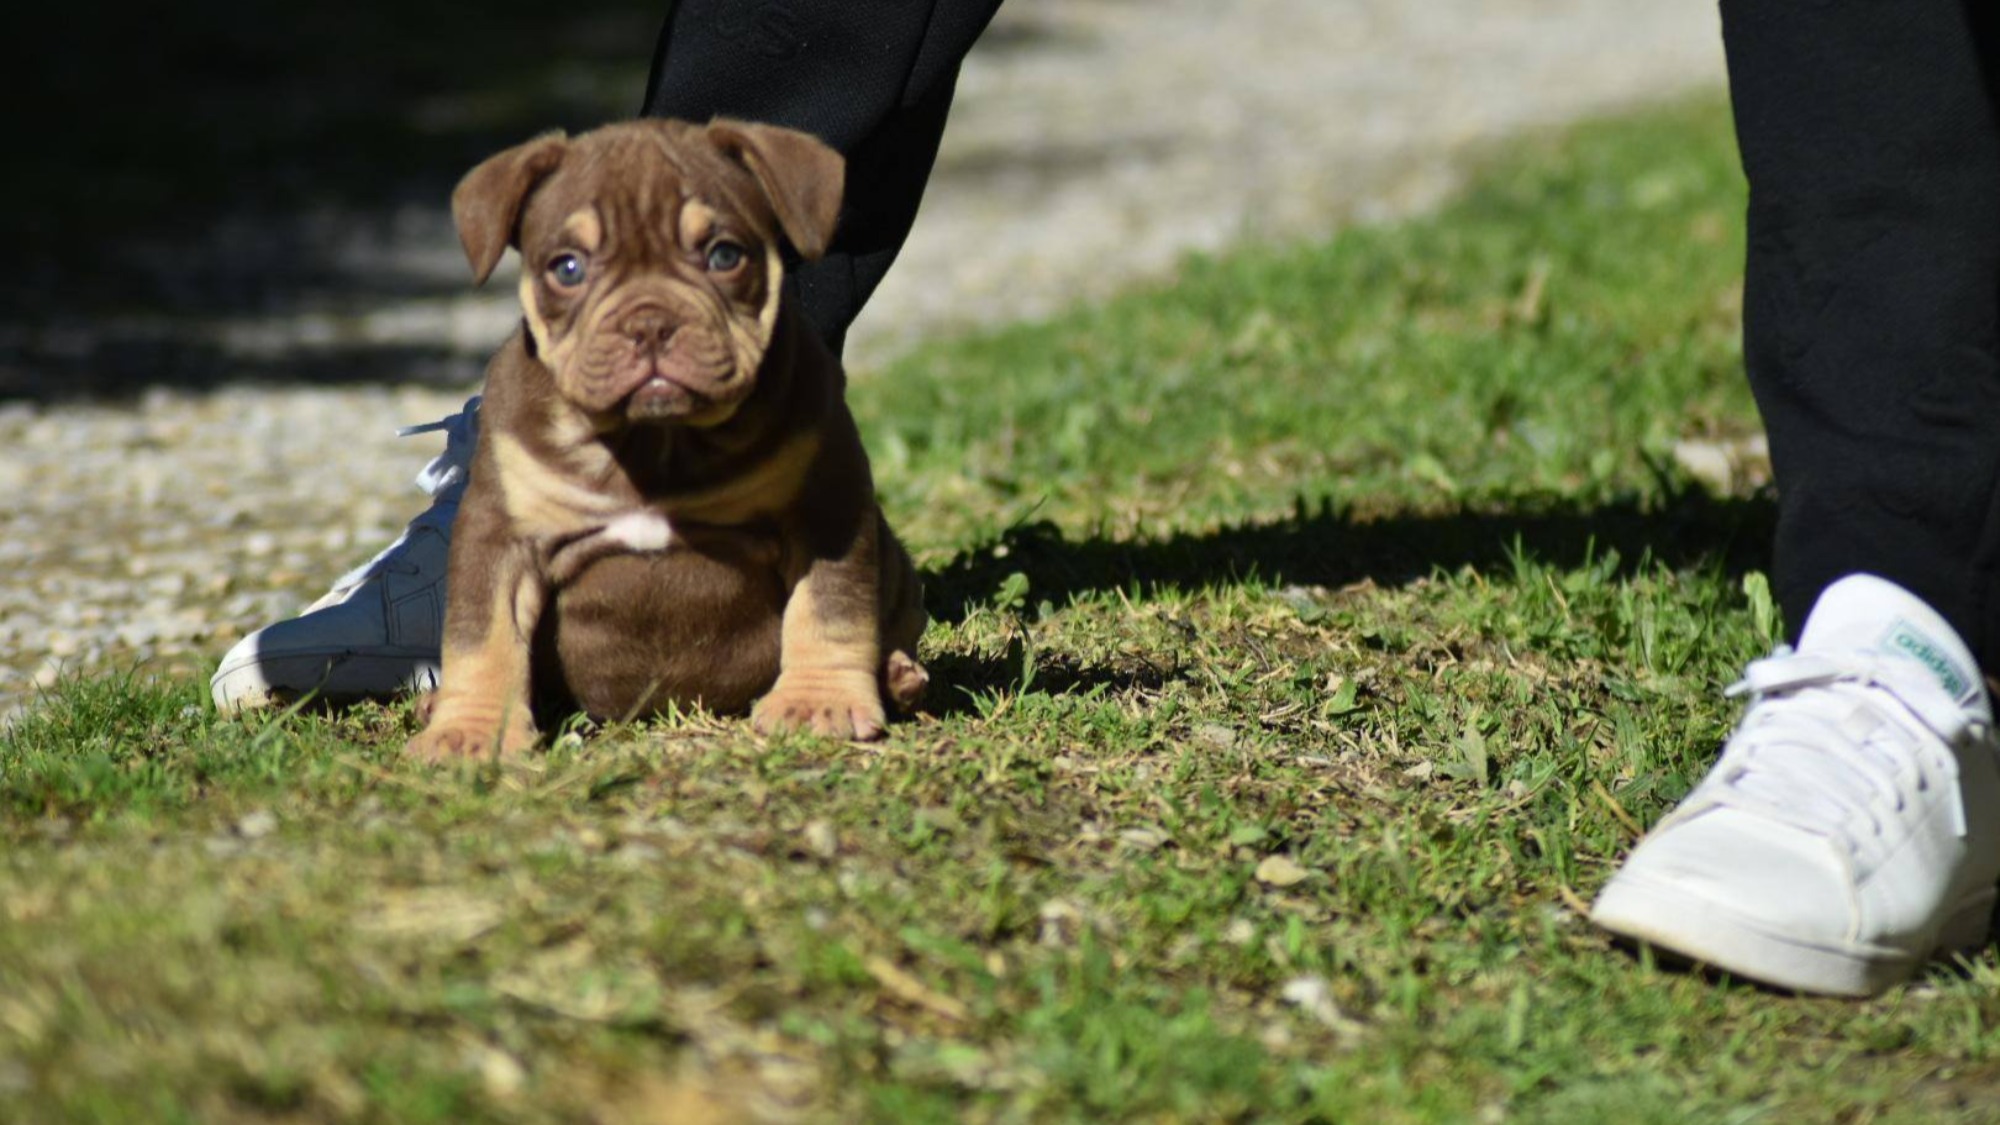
(798, 172)
(487, 203)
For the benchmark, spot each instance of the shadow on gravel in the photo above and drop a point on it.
(110, 368)
(180, 171)
(1329, 549)
(173, 163)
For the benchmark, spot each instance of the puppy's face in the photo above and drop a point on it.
(651, 256)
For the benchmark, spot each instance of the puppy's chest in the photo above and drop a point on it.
(569, 539)
(574, 515)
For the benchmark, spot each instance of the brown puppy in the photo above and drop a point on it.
(669, 502)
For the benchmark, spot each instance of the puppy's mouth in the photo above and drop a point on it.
(661, 397)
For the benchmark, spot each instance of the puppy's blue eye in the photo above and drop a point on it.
(724, 256)
(568, 270)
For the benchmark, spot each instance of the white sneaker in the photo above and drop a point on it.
(1851, 830)
(377, 632)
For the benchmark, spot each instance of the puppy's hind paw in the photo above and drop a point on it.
(904, 680)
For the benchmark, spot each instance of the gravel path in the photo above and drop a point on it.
(1094, 142)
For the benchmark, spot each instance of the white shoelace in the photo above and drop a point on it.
(1796, 759)
(443, 478)
(461, 433)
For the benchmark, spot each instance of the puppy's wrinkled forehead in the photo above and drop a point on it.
(647, 196)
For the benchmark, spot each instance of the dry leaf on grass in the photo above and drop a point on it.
(1281, 871)
(912, 991)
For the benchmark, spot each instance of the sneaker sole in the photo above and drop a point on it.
(337, 676)
(1669, 918)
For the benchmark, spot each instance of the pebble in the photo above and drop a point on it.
(257, 825)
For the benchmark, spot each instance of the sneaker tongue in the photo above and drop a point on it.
(1862, 611)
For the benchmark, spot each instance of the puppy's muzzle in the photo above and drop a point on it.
(655, 392)
(650, 328)
(633, 354)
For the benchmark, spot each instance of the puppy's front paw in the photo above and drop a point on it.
(833, 704)
(455, 742)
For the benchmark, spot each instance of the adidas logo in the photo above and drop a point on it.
(1904, 638)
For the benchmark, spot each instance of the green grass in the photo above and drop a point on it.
(1312, 633)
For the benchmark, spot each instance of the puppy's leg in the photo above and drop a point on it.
(494, 597)
(830, 649)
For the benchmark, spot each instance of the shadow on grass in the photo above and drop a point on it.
(1331, 549)
(960, 683)
(1311, 548)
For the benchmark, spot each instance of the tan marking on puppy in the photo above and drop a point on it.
(531, 311)
(754, 491)
(587, 228)
(818, 638)
(751, 343)
(485, 708)
(560, 350)
(828, 678)
(574, 443)
(697, 225)
(767, 317)
(537, 497)
(568, 430)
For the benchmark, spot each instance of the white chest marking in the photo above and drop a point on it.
(639, 531)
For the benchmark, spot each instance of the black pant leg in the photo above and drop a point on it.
(873, 78)
(1872, 292)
